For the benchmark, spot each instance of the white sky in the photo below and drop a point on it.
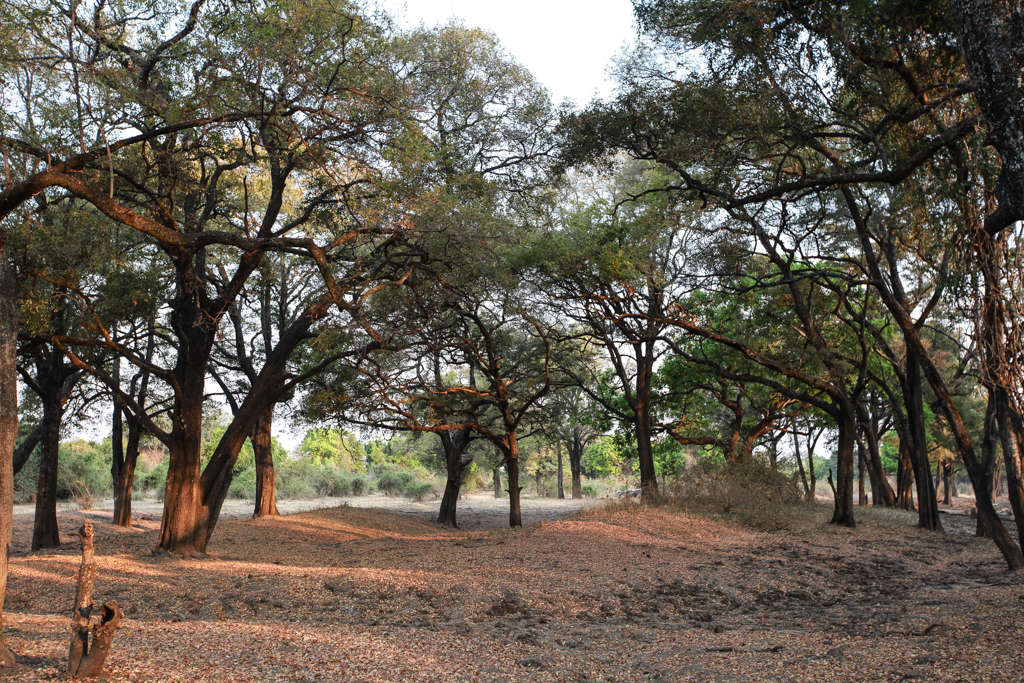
(566, 44)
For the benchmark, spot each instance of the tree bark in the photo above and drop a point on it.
(847, 425)
(862, 466)
(905, 479)
(9, 327)
(85, 661)
(515, 513)
(497, 481)
(576, 467)
(263, 453)
(124, 479)
(455, 467)
(45, 533)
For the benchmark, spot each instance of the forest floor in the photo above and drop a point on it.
(613, 593)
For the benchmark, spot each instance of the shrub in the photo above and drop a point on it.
(394, 482)
(753, 489)
(358, 484)
(589, 490)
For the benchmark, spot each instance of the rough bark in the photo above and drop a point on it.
(576, 467)
(45, 533)
(454, 447)
(263, 452)
(846, 422)
(8, 424)
(86, 659)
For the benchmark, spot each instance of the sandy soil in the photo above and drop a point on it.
(617, 593)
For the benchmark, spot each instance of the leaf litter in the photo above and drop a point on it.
(620, 593)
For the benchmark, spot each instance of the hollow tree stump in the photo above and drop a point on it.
(86, 661)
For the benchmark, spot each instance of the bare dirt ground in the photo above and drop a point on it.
(619, 593)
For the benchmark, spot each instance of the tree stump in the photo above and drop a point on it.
(86, 661)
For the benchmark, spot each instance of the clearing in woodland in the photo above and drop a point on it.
(614, 593)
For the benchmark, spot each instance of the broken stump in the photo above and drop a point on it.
(86, 660)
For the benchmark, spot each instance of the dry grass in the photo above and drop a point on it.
(623, 593)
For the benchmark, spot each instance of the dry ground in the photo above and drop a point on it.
(620, 593)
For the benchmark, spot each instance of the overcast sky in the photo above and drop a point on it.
(566, 44)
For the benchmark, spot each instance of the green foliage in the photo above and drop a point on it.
(589, 490)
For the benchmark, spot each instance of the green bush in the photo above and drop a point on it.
(394, 482)
(589, 490)
(358, 484)
(154, 480)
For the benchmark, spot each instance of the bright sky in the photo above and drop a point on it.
(566, 44)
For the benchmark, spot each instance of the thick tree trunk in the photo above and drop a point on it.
(847, 424)
(561, 487)
(45, 533)
(182, 500)
(8, 424)
(263, 453)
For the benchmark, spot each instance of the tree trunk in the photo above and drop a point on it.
(539, 477)
(561, 488)
(800, 464)
(8, 424)
(927, 504)
(847, 424)
(263, 453)
(881, 492)
(1012, 434)
(862, 467)
(124, 479)
(642, 416)
(904, 479)
(947, 475)
(45, 533)
(497, 481)
(178, 528)
(645, 453)
(576, 467)
(515, 513)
